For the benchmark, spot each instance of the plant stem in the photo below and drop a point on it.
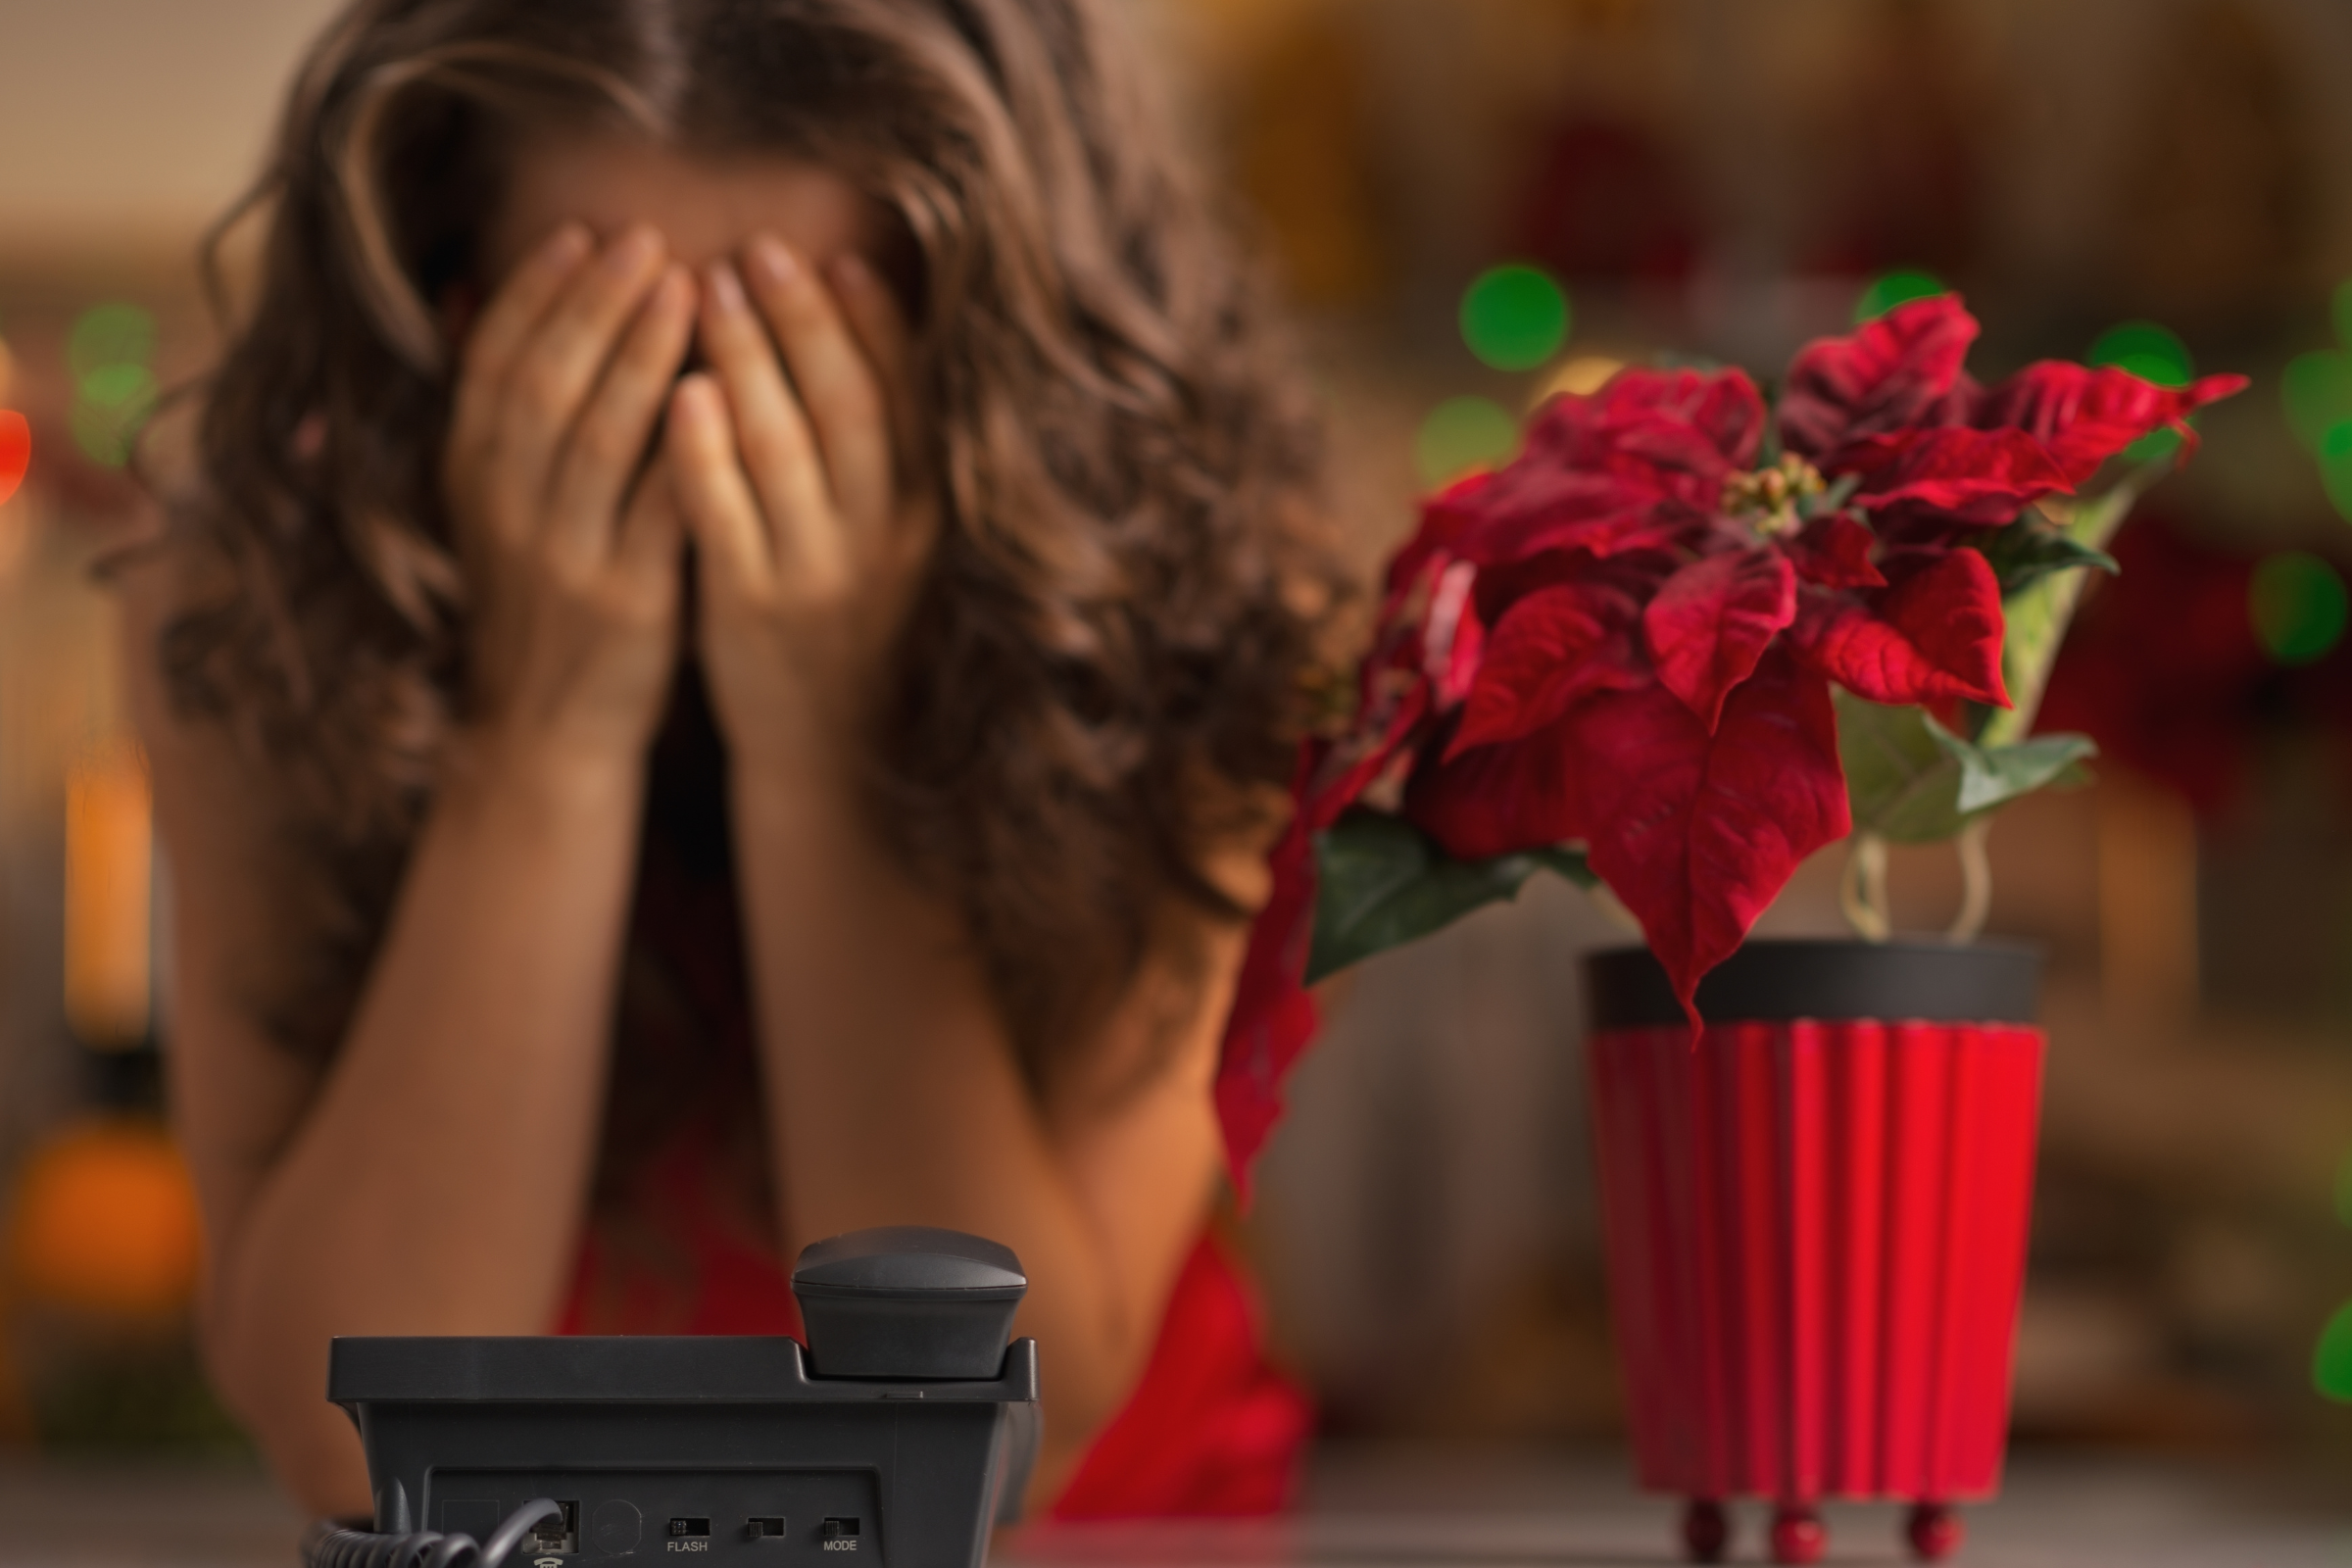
(1862, 889)
(1976, 881)
(2038, 617)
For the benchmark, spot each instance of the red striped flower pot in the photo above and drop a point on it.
(1817, 1218)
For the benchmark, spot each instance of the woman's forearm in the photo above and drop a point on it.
(437, 1183)
(896, 1097)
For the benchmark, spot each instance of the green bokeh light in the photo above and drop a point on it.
(115, 402)
(1514, 316)
(2298, 606)
(119, 387)
(2149, 349)
(2335, 464)
(2332, 1363)
(2153, 447)
(1463, 434)
(104, 435)
(2154, 353)
(107, 336)
(2317, 390)
(1890, 289)
(110, 351)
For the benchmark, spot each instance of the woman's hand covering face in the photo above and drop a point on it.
(789, 462)
(571, 536)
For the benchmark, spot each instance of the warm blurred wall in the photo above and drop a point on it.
(132, 123)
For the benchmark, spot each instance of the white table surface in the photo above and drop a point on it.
(1384, 1508)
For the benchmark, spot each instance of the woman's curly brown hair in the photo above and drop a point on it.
(1120, 623)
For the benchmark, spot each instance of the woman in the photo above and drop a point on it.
(726, 678)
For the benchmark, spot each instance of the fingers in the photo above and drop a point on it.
(514, 313)
(881, 330)
(777, 448)
(711, 491)
(653, 528)
(561, 361)
(607, 443)
(829, 369)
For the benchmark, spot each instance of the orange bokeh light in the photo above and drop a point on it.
(104, 1221)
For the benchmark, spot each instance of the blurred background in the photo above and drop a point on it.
(1469, 202)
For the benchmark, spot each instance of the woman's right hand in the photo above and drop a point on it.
(566, 523)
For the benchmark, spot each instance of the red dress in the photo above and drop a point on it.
(681, 1234)
(1210, 1428)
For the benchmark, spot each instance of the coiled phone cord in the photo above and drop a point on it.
(331, 1545)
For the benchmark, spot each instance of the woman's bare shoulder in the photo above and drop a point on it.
(236, 895)
(156, 583)
(218, 810)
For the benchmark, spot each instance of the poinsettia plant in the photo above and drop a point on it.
(1685, 639)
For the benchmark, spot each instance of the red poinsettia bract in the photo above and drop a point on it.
(1628, 636)
(1661, 600)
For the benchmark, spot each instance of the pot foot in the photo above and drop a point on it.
(1797, 1534)
(1935, 1532)
(1706, 1531)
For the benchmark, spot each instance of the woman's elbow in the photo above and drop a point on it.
(309, 1444)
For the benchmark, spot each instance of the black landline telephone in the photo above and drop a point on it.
(905, 1429)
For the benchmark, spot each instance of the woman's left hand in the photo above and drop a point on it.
(791, 469)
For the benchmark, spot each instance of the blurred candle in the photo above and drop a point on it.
(109, 859)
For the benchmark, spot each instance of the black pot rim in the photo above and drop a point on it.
(1778, 980)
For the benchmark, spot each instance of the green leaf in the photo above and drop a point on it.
(2038, 614)
(2033, 546)
(1898, 782)
(1994, 778)
(1909, 780)
(1383, 883)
